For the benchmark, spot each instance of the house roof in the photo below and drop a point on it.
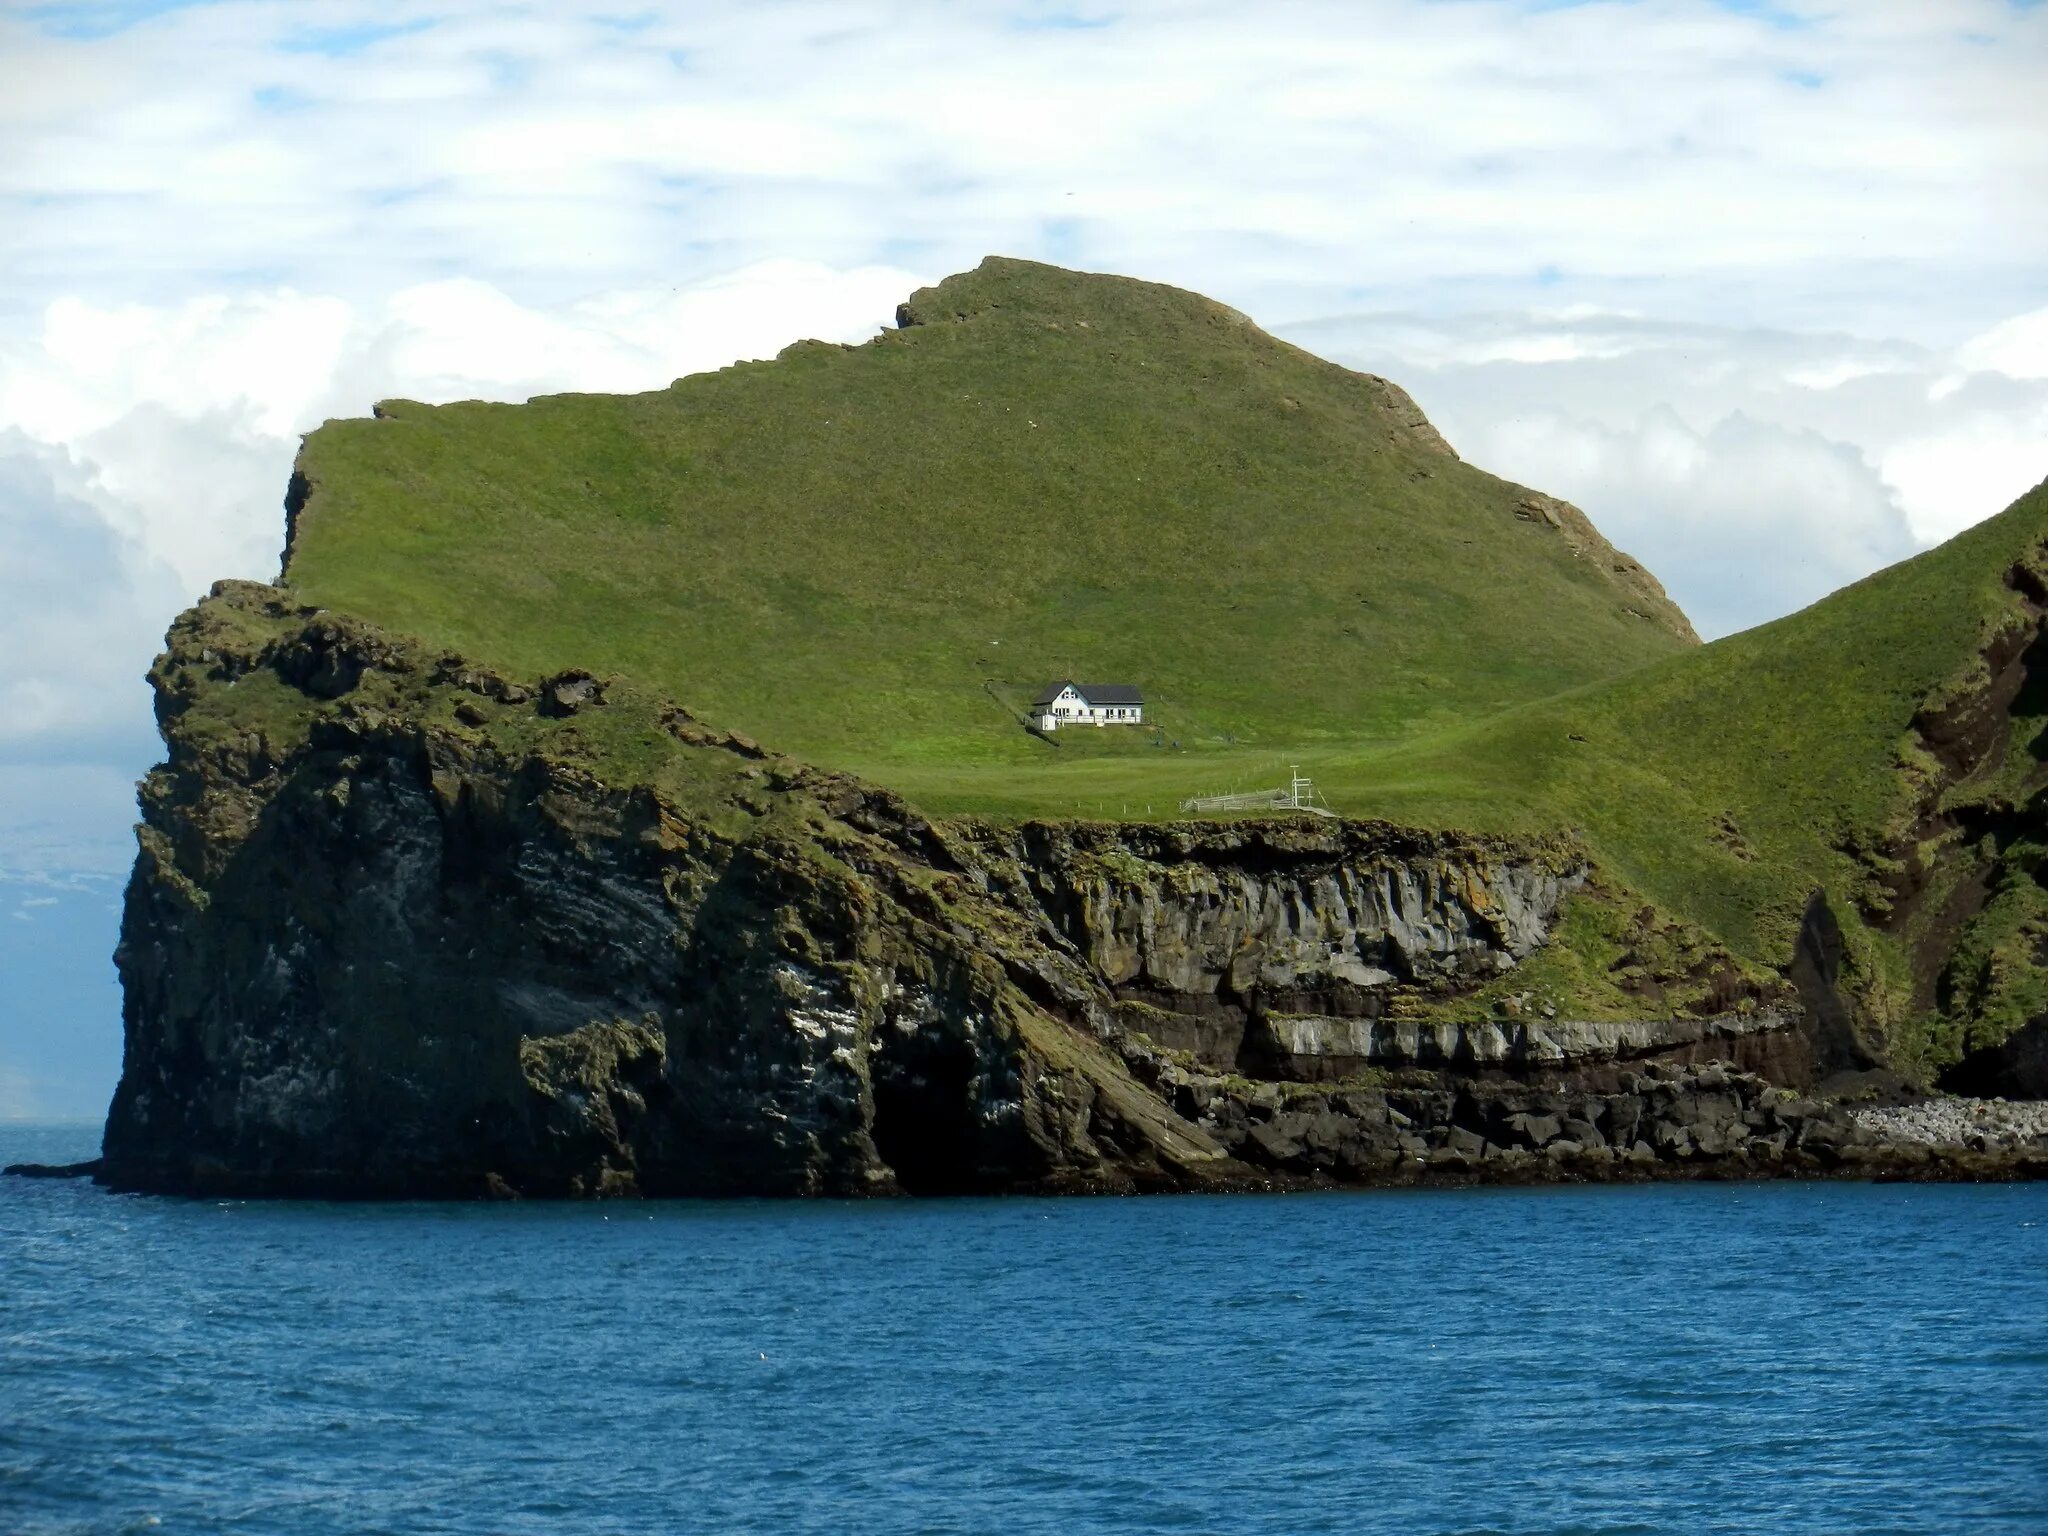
(1094, 693)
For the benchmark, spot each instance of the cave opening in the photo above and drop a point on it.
(926, 1126)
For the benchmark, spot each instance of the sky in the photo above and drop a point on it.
(1760, 284)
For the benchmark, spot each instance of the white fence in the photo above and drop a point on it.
(1299, 795)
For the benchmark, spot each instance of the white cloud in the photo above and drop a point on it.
(1948, 481)
(1674, 145)
(1755, 519)
(177, 424)
(1765, 299)
(81, 608)
(2017, 348)
(1753, 470)
(462, 337)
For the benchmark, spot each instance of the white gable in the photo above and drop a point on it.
(1073, 707)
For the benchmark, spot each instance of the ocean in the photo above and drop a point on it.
(1679, 1358)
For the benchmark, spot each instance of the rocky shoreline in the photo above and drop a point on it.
(1626, 1126)
(1973, 1125)
(1658, 1125)
(398, 930)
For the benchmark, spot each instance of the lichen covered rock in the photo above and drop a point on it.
(390, 933)
(403, 926)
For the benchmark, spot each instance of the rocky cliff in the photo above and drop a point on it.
(440, 889)
(400, 925)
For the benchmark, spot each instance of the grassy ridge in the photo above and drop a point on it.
(1727, 783)
(869, 556)
(1049, 475)
(1730, 783)
(1732, 779)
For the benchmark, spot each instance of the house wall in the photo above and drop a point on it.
(1048, 717)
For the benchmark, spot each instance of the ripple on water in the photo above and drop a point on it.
(1535, 1363)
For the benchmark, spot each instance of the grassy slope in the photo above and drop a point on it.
(1121, 481)
(1085, 476)
(1727, 783)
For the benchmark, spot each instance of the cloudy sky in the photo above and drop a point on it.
(1762, 284)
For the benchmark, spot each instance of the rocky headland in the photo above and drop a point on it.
(457, 880)
(392, 933)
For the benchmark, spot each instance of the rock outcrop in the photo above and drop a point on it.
(401, 926)
(1287, 909)
(1649, 601)
(1660, 1122)
(390, 932)
(1327, 1047)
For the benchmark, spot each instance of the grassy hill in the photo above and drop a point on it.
(1888, 746)
(872, 556)
(860, 554)
(1885, 745)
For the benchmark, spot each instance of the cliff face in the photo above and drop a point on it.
(390, 933)
(1287, 909)
(386, 934)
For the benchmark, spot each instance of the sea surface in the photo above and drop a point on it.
(1740, 1358)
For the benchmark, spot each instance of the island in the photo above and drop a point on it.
(626, 795)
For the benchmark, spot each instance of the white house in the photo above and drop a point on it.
(1071, 703)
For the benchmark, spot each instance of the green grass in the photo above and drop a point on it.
(871, 556)
(1786, 743)
(839, 551)
(1726, 782)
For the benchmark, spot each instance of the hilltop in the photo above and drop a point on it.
(869, 555)
(626, 794)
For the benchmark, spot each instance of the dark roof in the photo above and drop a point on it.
(1094, 693)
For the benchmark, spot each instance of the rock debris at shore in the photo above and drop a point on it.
(1981, 1124)
(398, 929)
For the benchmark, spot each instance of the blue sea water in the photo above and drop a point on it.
(1709, 1358)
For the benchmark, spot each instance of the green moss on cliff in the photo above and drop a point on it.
(1833, 749)
(1995, 980)
(868, 556)
(1610, 957)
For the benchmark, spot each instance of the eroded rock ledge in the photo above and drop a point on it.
(1327, 1047)
(1660, 1123)
(400, 926)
